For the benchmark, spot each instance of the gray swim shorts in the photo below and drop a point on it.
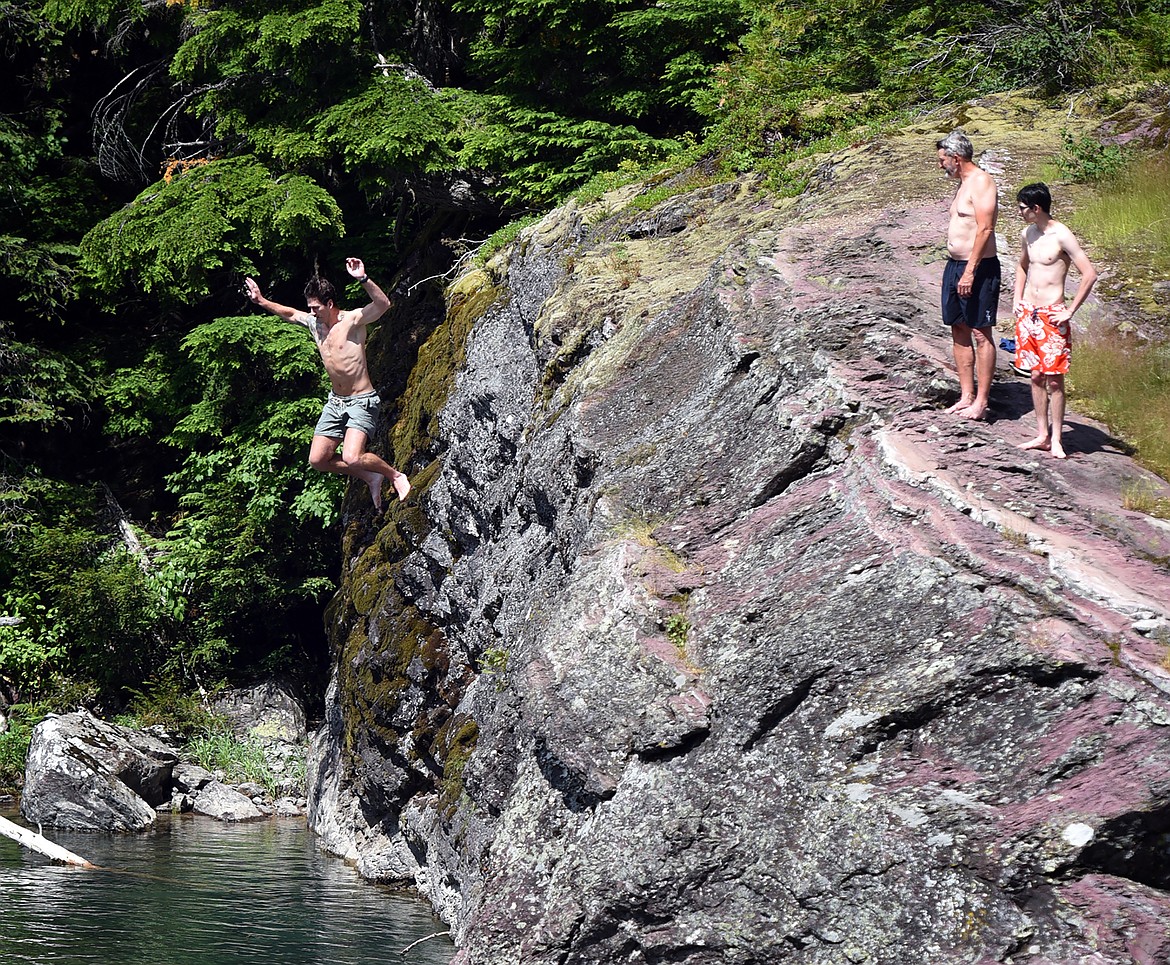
(343, 412)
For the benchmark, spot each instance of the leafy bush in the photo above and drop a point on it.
(77, 603)
(1087, 159)
(14, 744)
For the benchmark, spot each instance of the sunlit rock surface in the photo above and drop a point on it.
(89, 775)
(709, 638)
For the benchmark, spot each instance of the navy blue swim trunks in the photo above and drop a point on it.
(978, 311)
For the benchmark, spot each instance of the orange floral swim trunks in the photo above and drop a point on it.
(1043, 344)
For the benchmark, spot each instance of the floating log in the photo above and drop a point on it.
(41, 844)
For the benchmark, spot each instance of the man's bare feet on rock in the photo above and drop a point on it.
(1040, 442)
(1058, 450)
(401, 486)
(974, 412)
(959, 406)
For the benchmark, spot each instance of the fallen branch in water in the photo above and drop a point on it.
(438, 934)
(36, 842)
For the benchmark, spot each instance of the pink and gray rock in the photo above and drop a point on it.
(716, 641)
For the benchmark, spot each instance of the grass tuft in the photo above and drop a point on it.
(1141, 496)
(242, 760)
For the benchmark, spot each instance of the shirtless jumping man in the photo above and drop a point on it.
(971, 279)
(1043, 328)
(351, 411)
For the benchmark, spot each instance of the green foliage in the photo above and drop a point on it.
(240, 397)
(1131, 213)
(1087, 159)
(32, 641)
(77, 14)
(394, 123)
(494, 663)
(236, 399)
(806, 70)
(37, 385)
(241, 760)
(1127, 385)
(46, 274)
(612, 61)
(181, 238)
(1126, 382)
(167, 703)
(546, 154)
(262, 69)
(77, 603)
(14, 743)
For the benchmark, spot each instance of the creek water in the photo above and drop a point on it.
(194, 891)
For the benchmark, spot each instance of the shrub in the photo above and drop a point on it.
(1087, 159)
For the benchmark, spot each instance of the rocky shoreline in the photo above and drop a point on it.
(86, 774)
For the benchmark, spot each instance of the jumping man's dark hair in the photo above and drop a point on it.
(322, 289)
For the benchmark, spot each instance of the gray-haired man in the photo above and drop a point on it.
(971, 279)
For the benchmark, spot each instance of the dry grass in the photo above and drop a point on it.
(1140, 495)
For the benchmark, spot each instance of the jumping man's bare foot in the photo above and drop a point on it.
(1040, 442)
(374, 481)
(1058, 450)
(401, 486)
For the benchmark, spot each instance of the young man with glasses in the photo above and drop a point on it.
(1043, 321)
(351, 411)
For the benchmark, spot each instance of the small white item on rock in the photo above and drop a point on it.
(1078, 834)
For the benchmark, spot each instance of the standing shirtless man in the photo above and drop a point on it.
(1043, 329)
(351, 411)
(971, 278)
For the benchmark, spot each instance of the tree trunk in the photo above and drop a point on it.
(30, 839)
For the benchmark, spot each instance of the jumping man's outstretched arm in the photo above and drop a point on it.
(379, 302)
(252, 290)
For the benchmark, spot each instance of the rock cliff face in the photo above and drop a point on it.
(710, 638)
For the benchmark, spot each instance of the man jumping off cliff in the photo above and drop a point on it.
(351, 411)
(971, 279)
(1043, 323)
